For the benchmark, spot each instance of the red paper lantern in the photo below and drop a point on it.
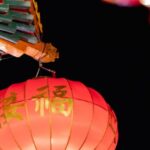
(126, 3)
(55, 113)
(146, 3)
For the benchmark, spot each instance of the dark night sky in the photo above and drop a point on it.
(103, 46)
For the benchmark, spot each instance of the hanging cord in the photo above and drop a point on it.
(4, 58)
(1, 59)
(42, 67)
(46, 69)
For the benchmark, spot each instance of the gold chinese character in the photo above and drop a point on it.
(41, 104)
(9, 108)
(43, 92)
(41, 100)
(59, 103)
(62, 106)
(60, 92)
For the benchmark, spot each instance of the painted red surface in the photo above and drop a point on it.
(55, 113)
(1, 1)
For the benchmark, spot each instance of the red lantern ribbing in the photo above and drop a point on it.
(55, 114)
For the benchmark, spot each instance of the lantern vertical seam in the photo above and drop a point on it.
(115, 133)
(83, 100)
(49, 120)
(91, 119)
(72, 114)
(28, 118)
(13, 135)
(104, 132)
(110, 145)
(14, 138)
(109, 127)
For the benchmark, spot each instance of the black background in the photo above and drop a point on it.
(105, 47)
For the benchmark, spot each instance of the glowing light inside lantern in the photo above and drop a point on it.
(145, 3)
(124, 3)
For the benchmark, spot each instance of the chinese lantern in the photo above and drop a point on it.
(146, 3)
(55, 113)
(126, 3)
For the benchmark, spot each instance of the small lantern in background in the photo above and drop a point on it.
(125, 3)
(146, 3)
